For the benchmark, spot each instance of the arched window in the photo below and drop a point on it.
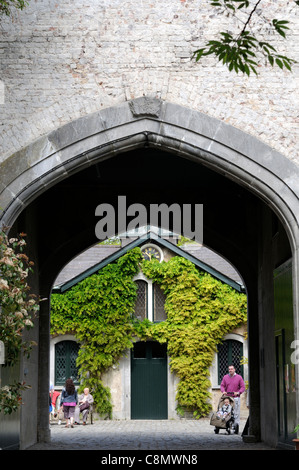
(66, 353)
(230, 352)
(158, 302)
(141, 300)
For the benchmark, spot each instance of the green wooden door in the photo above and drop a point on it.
(149, 381)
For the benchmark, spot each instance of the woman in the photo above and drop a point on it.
(87, 398)
(69, 400)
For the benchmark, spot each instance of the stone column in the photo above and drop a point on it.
(266, 322)
(43, 429)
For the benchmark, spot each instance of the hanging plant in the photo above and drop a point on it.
(17, 312)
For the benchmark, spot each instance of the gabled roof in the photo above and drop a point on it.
(148, 237)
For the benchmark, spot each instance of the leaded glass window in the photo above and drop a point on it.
(66, 353)
(230, 352)
(141, 300)
(159, 301)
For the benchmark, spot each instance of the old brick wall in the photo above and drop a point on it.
(63, 60)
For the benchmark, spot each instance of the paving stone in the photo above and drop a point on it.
(184, 434)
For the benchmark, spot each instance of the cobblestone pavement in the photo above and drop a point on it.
(188, 435)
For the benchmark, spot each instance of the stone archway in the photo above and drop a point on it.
(154, 123)
(192, 136)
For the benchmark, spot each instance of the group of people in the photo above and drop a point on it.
(73, 404)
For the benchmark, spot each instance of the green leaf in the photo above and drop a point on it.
(287, 65)
(279, 63)
(246, 69)
(199, 53)
(253, 69)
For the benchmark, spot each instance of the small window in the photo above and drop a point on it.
(149, 350)
(139, 350)
(159, 351)
(66, 353)
(141, 300)
(159, 301)
(230, 352)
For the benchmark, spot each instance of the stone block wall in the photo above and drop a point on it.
(63, 60)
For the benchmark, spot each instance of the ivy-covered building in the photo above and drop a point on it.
(167, 322)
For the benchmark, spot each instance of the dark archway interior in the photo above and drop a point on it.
(65, 215)
(237, 224)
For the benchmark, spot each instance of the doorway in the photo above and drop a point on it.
(149, 381)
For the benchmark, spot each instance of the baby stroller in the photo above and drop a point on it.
(226, 422)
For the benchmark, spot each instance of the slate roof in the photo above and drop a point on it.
(84, 261)
(98, 256)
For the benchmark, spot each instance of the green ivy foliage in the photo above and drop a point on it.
(99, 311)
(200, 311)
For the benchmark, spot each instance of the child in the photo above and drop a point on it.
(225, 409)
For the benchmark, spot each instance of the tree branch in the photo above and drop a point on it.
(249, 17)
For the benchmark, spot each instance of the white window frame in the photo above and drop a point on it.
(141, 277)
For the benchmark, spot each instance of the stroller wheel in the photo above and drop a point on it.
(230, 428)
(216, 430)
